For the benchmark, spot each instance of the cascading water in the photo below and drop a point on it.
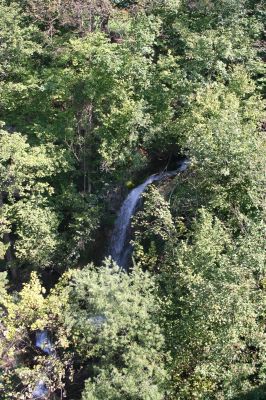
(40, 391)
(120, 248)
(44, 343)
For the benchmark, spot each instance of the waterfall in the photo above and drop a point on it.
(120, 248)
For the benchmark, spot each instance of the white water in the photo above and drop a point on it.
(44, 343)
(120, 249)
(40, 391)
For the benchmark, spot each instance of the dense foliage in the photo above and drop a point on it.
(94, 96)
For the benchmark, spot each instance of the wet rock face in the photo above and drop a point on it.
(114, 198)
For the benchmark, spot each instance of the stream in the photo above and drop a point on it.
(120, 251)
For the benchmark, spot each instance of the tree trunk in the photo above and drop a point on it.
(7, 241)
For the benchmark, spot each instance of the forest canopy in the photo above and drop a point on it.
(158, 107)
